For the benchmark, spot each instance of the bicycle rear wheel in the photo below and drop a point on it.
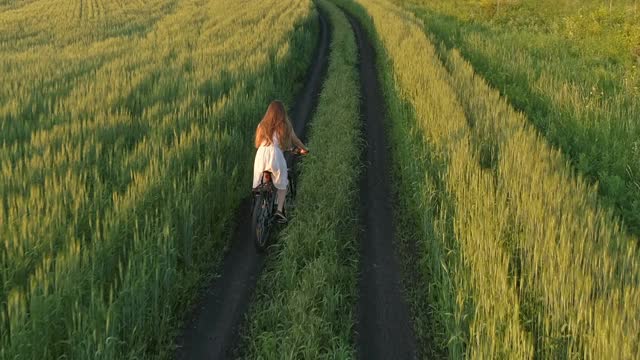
(261, 220)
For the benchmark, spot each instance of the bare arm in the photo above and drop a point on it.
(294, 138)
(296, 141)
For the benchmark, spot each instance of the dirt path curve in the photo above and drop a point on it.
(384, 327)
(213, 330)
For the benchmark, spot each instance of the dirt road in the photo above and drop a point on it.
(384, 327)
(214, 328)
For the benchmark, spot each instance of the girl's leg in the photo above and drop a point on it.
(282, 197)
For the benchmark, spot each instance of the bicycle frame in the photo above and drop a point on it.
(263, 207)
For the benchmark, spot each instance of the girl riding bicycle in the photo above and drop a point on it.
(275, 134)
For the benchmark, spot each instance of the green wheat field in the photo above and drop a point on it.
(126, 132)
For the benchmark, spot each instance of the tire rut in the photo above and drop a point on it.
(384, 328)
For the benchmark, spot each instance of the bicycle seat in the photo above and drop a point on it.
(266, 181)
(266, 177)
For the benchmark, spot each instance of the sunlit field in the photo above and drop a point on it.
(572, 66)
(512, 129)
(125, 146)
(521, 256)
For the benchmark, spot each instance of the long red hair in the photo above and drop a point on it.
(275, 121)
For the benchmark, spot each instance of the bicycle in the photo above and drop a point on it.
(264, 203)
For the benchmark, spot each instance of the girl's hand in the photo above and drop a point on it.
(304, 151)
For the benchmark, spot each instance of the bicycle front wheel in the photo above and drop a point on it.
(291, 194)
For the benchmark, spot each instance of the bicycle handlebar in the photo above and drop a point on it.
(297, 151)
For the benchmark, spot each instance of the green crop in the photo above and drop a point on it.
(126, 135)
(520, 257)
(572, 66)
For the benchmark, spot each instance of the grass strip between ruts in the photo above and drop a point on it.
(305, 299)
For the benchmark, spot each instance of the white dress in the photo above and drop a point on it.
(271, 158)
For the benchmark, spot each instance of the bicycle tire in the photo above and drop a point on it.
(291, 194)
(260, 221)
